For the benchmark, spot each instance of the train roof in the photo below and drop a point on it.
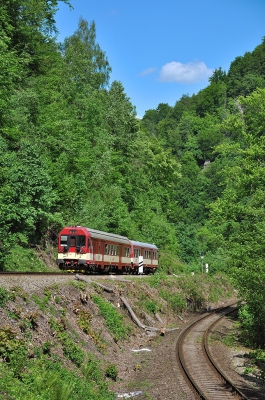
(147, 245)
(94, 233)
(108, 236)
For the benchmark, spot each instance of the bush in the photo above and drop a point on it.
(22, 259)
(112, 372)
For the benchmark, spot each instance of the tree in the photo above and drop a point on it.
(88, 66)
(217, 76)
(26, 197)
(239, 213)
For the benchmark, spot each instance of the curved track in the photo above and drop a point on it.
(206, 379)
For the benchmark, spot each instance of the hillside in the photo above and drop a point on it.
(62, 337)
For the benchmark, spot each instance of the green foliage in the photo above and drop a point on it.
(113, 319)
(157, 279)
(111, 371)
(177, 302)
(4, 296)
(12, 350)
(151, 307)
(42, 302)
(238, 215)
(80, 285)
(72, 350)
(248, 324)
(46, 379)
(23, 259)
(73, 152)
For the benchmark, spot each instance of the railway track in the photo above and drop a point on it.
(15, 273)
(69, 273)
(206, 379)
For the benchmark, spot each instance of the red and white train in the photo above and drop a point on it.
(89, 250)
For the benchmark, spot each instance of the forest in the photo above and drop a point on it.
(189, 178)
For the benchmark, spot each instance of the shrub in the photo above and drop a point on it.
(112, 372)
(4, 296)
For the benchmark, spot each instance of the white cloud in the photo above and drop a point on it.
(192, 72)
(148, 71)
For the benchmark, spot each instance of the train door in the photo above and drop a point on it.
(97, 253)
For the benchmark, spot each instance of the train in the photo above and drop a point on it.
(87, 250)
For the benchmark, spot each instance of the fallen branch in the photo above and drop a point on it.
(83, 278)
(158, 318)
(180, 318)
(136, 320)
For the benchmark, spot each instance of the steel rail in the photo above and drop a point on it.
(195, 387)
(32, 273)
(208, 353)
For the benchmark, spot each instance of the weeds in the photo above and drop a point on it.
(42, 302)
(5, 296)
(83, 320)
(111, 371)
(113, 319)
(80, 285)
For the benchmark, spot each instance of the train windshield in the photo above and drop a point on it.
(73, 241)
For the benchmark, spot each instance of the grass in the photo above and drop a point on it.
(113, 319)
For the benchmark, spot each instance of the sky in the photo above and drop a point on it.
(162, 49)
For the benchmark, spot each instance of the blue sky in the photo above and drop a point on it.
(162, 49)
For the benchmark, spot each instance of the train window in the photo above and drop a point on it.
(72, 241)
(81, 240)
(111, 249)
(63, 241)
(154, 255)
(147, 253)
(99, 247)
(126, 252)
(106, 249)
(137, 252)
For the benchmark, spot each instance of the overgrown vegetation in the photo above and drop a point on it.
(47, 342)
(114, 320)
(73, 152)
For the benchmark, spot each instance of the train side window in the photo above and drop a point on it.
(147, 253)
(99, 247)
(63, 241)
(137, 253)
(106, 248)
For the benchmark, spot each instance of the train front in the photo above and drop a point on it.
(74, 249)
